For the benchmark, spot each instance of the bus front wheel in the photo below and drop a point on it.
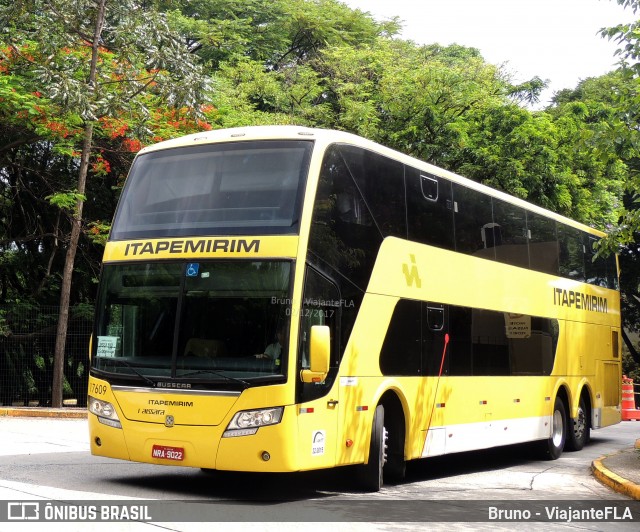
(370, 474)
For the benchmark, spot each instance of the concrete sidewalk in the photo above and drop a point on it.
(72, 413)
(620, 471)
(43, 430)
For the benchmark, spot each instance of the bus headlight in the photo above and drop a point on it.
(105, 412)
(248, 422)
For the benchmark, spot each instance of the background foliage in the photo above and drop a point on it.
(166, 68)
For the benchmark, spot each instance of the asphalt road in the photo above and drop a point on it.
(48, 460)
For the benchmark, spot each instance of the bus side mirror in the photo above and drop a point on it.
(319, 354)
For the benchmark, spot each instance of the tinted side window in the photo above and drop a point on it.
(486, 342)
(317, 309)
(543, 244)
(612, 272)
(343, 232)
(414, 342)
(474, 227)
(380, 180)
(510, 232)
(434, 328)
(571, 253)
(596, 268)
(481, 342)
(459, 356)
(401, 351)
(489, 343)
(429, 209)
(532, 344)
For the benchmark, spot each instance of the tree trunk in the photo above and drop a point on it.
(67, 273)
(76, 227)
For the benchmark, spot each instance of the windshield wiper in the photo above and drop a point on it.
(129, 366)
(218, 374)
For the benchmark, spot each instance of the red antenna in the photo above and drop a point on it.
(444, 352)
(435, 395)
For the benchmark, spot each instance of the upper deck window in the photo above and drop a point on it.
(252, 187)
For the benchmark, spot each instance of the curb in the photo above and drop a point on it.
(69, 413)
(615, 482)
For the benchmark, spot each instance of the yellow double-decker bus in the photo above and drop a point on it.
(280, 299)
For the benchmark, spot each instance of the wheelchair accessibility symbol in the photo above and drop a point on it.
(192, 269)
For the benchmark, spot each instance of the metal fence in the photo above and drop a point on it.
(27, 343)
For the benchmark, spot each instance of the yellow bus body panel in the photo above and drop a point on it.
(199, 424)
(477, 405)
(153, 406)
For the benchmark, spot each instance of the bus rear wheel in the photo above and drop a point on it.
(578, 433)
(553, 447)
(370, 474)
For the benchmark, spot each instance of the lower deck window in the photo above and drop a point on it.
(481, 342)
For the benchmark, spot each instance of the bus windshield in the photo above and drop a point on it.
(231, 188)
(222, 321)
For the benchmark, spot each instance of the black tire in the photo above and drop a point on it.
(553, 447)
(370, 474)
(578, 431)
(396, 467)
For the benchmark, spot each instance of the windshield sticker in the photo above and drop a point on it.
(192, 269)
(107, 346)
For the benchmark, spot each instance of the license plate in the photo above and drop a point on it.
(167, 453)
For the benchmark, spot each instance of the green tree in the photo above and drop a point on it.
(622, 131)
(92, 60)
(622, 136)
(79, 96)
(445, 105)
(274, 33)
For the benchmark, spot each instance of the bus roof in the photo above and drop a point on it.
(328, 136)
